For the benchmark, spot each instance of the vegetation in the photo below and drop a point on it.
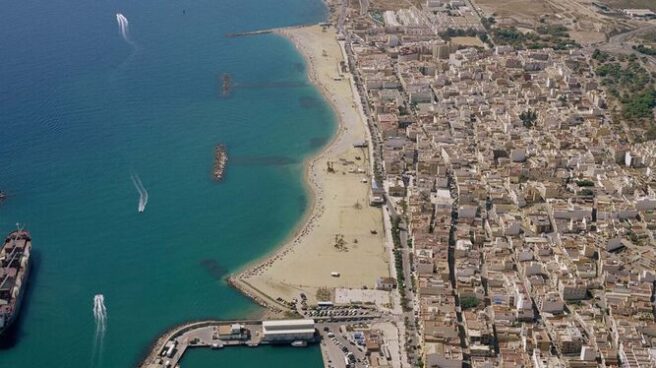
(398, 261)
(601, 56)
(629, 83)
(451, 32)
(587, 192)
(552, 36)
(323, 294)
(645, 50)
(528, 118)
(509, 36)
(641, 105)
(585, 183)
(488, 22)
(553, 30)
(469, 302)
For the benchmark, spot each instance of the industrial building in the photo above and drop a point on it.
(288, 330)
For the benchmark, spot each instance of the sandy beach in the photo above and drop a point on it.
(341, 233)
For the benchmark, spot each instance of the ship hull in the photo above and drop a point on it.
(19, 302)
(15, 314)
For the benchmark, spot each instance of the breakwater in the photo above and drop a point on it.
(170, 348)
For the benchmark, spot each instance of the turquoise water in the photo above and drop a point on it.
(277, 357)
(81, 110)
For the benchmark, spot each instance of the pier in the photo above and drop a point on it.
(250, 33)
(264, 31)
(169, 349)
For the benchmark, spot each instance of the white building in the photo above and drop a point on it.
(288, 330)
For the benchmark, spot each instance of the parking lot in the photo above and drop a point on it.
(341, 313)
(337, 349)
(347, 296)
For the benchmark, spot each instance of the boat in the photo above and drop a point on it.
(14, 272)
(3, 195)
(220, 160)
(299, 344)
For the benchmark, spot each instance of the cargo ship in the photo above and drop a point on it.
(220, 161)
(14, 271)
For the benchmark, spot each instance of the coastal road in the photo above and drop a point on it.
(408, 315)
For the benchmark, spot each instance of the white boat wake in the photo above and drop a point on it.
(100, 312)
(143, 193)
(100, 317)
(124, 27)
(124, 31)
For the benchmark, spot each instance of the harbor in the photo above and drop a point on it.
(169, 350)
(347, 338)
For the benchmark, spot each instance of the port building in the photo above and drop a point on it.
(283, 331)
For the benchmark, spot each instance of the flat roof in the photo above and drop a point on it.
(308, 331)
(288, 322)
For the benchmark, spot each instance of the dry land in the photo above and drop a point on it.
(520, 11)
(467, 41)
(342, 233)
(631, 4)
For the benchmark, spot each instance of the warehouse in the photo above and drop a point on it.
(288, 330)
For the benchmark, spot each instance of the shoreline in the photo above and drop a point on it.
(316, 191)
(309, 183)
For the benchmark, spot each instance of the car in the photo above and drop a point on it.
(345, 349)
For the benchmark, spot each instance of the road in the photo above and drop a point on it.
(411, 333)
(333, 353)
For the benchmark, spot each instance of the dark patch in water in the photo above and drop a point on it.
(299, 67)
(307, 102)
(264, 160)
(213, 268)
(270, 85)
(317, 142)
(302, 203)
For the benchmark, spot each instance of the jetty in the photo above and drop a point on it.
(169, 349)
(220, 161)
(249, 33)
(264, 31)
(226, 84)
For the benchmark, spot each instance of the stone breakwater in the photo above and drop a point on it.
(220, 161)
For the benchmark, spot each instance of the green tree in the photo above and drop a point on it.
(528, 118)
(469, 302)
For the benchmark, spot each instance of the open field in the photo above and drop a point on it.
(631, 4)
(579, 16)
(521, 11)
(467, 41)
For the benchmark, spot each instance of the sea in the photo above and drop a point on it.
(102, 114)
